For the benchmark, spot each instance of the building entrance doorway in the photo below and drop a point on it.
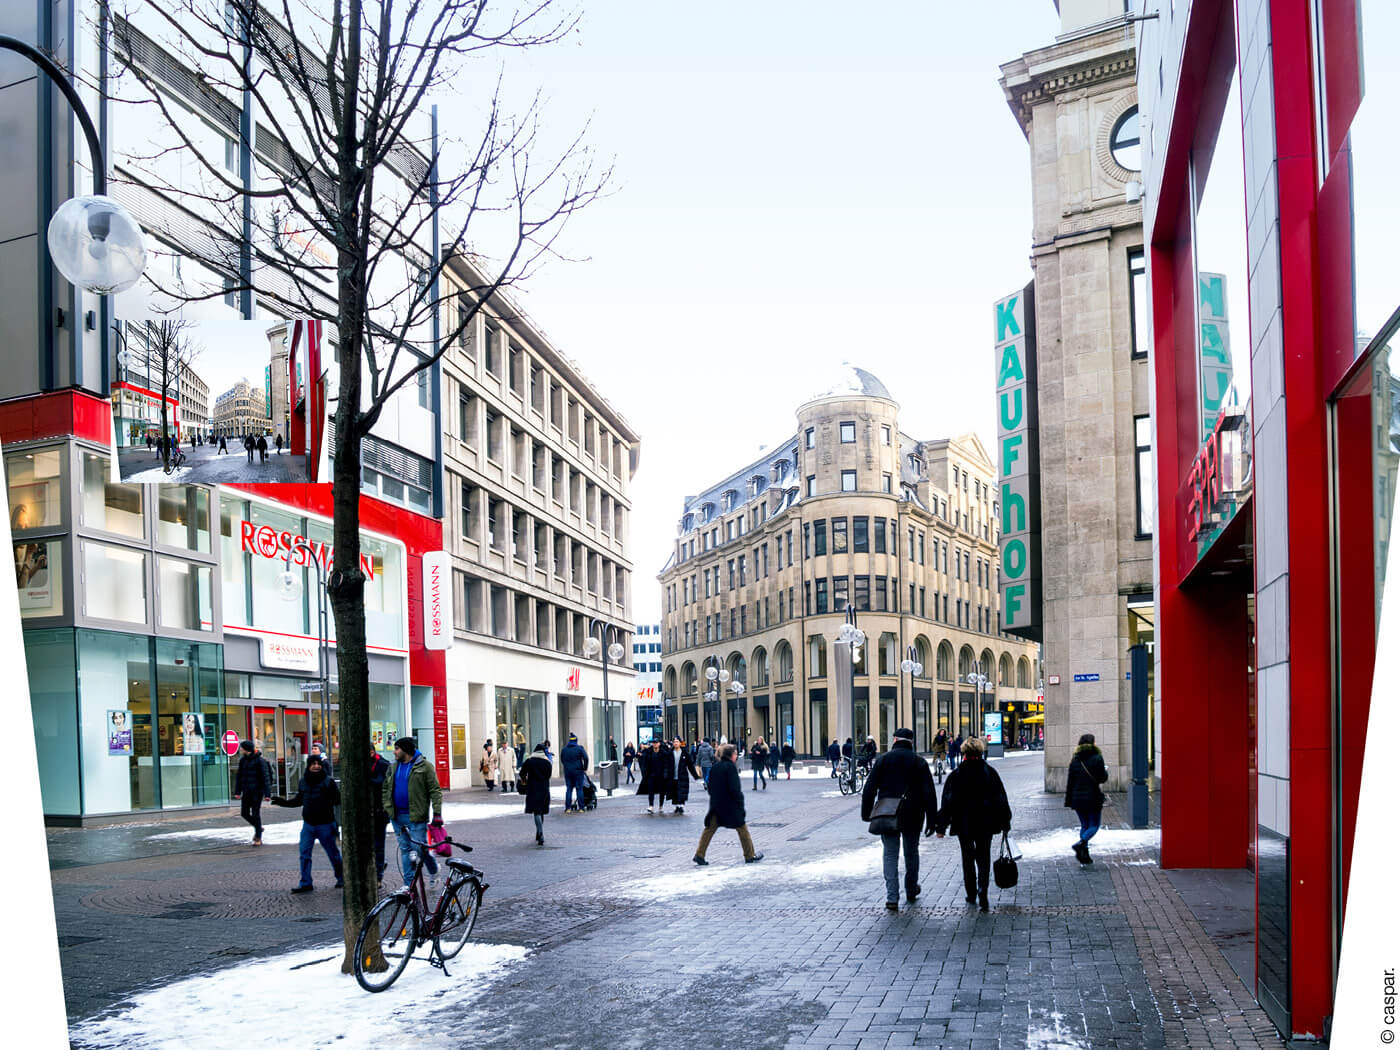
(283, 734)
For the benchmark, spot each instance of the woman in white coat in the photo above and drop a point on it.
(503, 761)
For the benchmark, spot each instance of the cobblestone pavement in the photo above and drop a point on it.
(204, 465)
(630, 943)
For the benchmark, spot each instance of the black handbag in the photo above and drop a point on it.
(884, 817)
(1004, 872)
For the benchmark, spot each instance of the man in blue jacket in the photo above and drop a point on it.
(574, 760)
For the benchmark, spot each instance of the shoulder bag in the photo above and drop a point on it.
(884, 817)
(1004, 872)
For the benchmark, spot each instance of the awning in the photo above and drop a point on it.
(1033, 720)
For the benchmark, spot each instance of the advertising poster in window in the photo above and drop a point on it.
(991, 727)
(119, 724)
(192, 734)
(35, 568)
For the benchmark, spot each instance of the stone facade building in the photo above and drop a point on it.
(240, 410)
(1076, 101)
(848, 512)
(538, 466)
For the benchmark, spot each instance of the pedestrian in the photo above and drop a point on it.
(775, 759)
(758, 760)
(955, 751)
(683, 771)
(726, 807)
(248, 446)
(534, 781)
(409, 792)
(378, 773)
(654, 767)
(629, 755)
(279, 444)
(317, 749)
(705, 759)
(574, 761)
(488, 766)
(612, 750)
(252, 783)
(149, 442)
(976, 810)
(223, 446)
(901, 774)
(789, 755)
(504, 763)
(262, 448)
(318, 797)
(868, 752)
(833, 755)
(848, 752)
(940, 746)
(1083, 794)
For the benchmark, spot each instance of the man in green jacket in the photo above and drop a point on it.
(408, 790)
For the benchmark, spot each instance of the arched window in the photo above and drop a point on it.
(922, 653)
(759, 666)
(738, 668)
(669, 682)
(1004, 669)
(816, 656)
(945, 662)
(782, 657)
(889, 653)
(688, 679)
(1023, 673)
(987, 665)
(1125, 141)
(966, 661)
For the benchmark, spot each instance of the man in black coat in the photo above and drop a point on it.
(1083, 794)
(657, 773)
(318, 797)
(378, 770)
(252, 783)
(833, 755)
(976, 809)
(901, 774)
(726, 807)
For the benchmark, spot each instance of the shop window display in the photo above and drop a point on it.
(35, 483)
(108, 507)
(186, 598)
(183, 519)
(39, 577)
(115, 583)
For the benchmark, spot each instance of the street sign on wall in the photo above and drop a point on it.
(1018, 464)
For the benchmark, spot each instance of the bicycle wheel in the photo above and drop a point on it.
(457, 917)
(386, 942)
(844, 783)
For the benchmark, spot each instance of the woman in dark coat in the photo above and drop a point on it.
(1083, 794)
(629, 755)
(788, 753)
(758, 758)
(534, 777)
(656, 771)
(683, 772)
(976, 810)
(775, 759)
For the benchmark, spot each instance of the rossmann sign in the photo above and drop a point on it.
(1018, 464)
(269, 543)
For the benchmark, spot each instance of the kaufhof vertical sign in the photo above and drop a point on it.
(1018, 464)
(1216, 369)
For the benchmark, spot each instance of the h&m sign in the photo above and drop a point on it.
(1018, 464)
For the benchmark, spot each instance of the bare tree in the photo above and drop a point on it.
(169, 352)
(336, 97)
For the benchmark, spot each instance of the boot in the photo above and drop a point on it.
(982, 904)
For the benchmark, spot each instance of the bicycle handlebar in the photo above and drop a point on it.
(446, 841)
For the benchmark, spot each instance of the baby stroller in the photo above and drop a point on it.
(588, 794)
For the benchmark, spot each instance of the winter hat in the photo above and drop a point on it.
(406, 744)
(314, 760)
(247, 745)
(573, 738)
(904, 734)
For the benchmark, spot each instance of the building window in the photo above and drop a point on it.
(838, 536)
(818, 538)
(879, 535)
(860, 535)
(887, 483)
(880, 593)
(862, 593)
(848, 481)
(1142, 429)
(1125, 143)
(811, 484)
(811, 437)
(840, 592)
(848, 433)
(884, 434)
(821, 595)
(1137, 302)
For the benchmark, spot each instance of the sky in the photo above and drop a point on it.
(229, 351)
(796, 185)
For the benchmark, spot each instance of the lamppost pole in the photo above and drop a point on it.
(598, 646)
(913, 668)
(852, 635)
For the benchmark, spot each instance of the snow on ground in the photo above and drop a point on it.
(276, 994)
(732, 871)
(1055, 1036)
(1108, 841)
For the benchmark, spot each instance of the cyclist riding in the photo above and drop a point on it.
(940, 753)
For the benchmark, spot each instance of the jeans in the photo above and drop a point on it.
(325, 835)
(1089, 821)
(629, 773)
(976, 863)
(539, 824)
(418, 830)
(252, 811)
(745, 840)
(573, 782)
(758, 775)
(705, 776)
(911, 862)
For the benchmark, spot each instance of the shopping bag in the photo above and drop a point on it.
(1004, 872)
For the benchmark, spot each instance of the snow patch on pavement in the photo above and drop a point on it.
(1055, 1036)
(1109, 841)
(275, 994)
(725, 874)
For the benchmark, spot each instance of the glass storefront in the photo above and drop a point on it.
(520, 719)
(607, 722)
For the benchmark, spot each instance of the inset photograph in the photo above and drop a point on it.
(213, 401)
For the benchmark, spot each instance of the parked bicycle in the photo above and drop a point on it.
(177, 459)
(402, 922)
(848, 780)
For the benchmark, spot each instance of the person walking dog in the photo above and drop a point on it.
(1083, 794)
(318, 797)
(900, 774)
(726, 807)
(535, 772)
(976, 810)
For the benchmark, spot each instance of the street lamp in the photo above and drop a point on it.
(289, 584)
(593, 646)
(913, 668)
(853, 636)
(95, 242)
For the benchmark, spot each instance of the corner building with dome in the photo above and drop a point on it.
(850, 512)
